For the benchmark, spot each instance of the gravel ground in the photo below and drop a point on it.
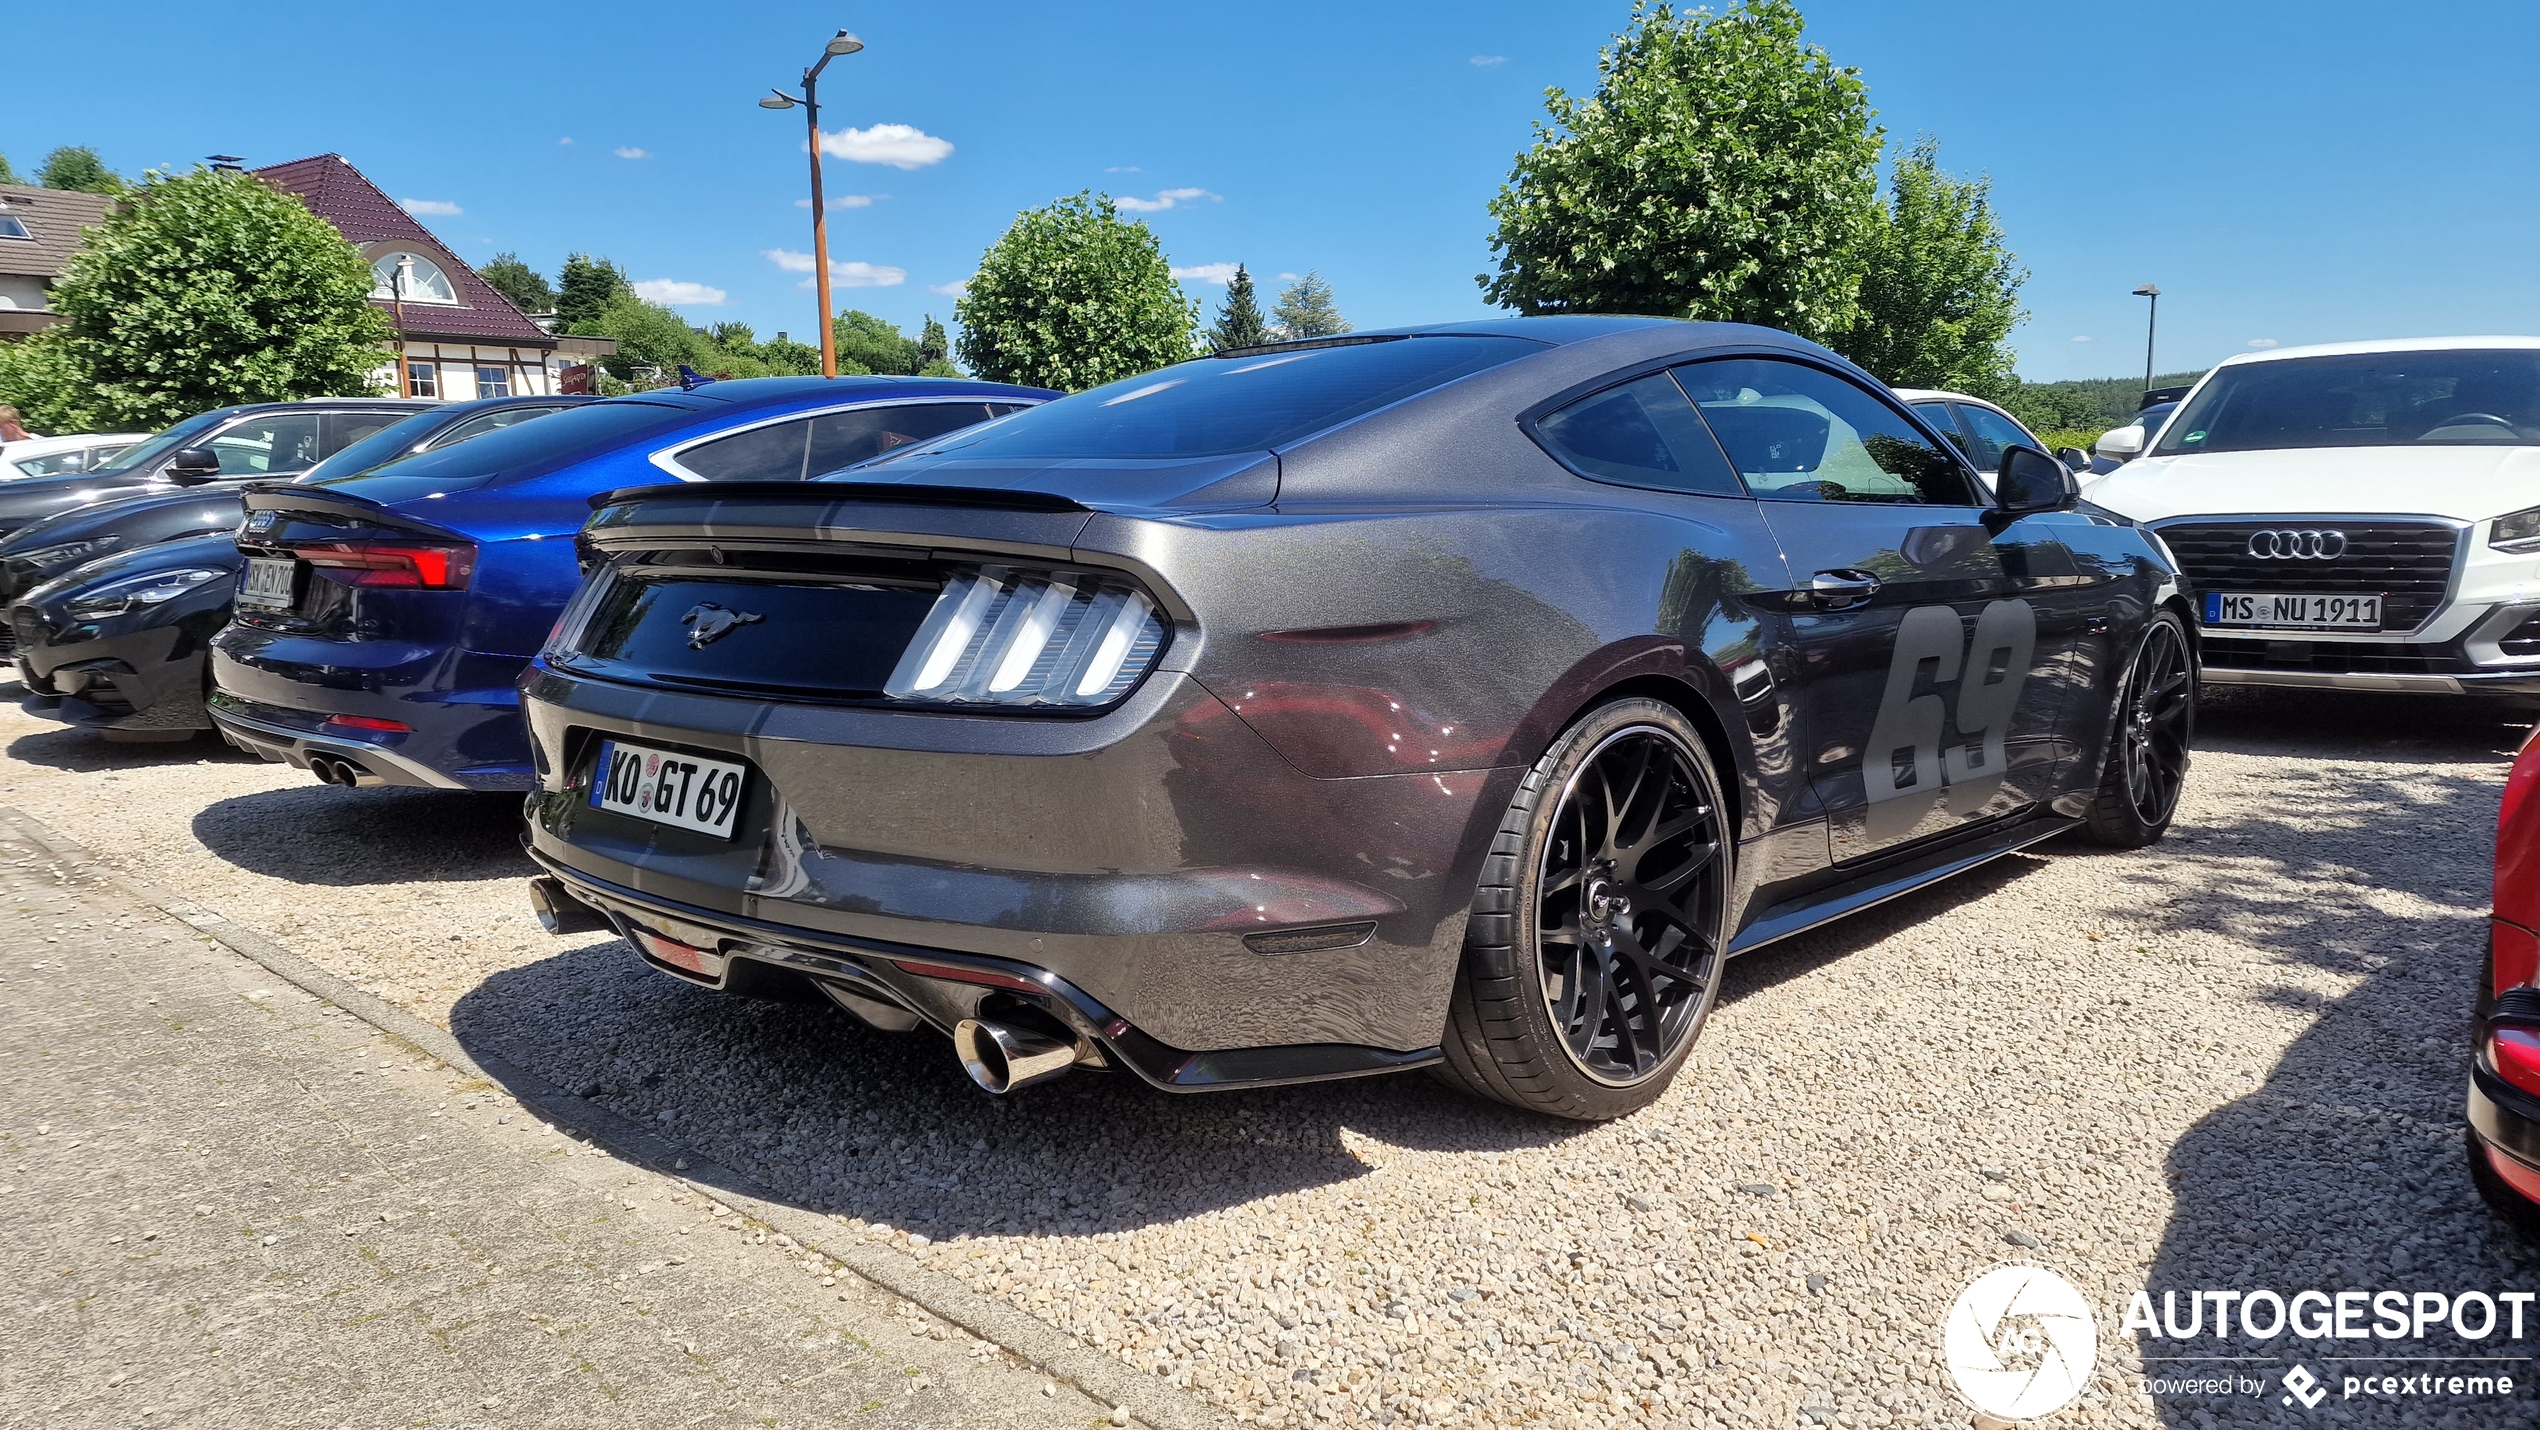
(2231, 1060)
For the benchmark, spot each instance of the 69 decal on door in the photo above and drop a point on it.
(1909, 766)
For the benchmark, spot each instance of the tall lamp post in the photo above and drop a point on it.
(840, 44)
(2151, 323)
(397, 300)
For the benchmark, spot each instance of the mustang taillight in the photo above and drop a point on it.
(381, 563)
(1021, 636)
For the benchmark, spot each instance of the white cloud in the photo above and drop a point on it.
(2084, 338)
(1124, 169)
(2262, 342)
(850, 274)
(1292, 277)
(1170, 198)
(1486, 61)
(431, 208)
(1208, 272)
(902, 146)
(950, 290)
(678, 293)
(628, 151)
(566, 139)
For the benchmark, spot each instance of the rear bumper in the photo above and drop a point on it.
(955, 986)
(1160, 858)
(276, 736)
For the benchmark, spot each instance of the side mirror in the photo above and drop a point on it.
(191, 466)
(2123, 444)
(2075, 458)
(2031, 481)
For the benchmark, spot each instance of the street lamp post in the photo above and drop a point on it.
(2151, 323)
(840, 44)
(397, 301)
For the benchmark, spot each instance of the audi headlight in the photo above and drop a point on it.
(2516, 531)
(1019, 636)
(49, 558)
(132, 593)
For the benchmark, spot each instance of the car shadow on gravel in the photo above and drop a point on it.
(827, 1114)
(339, 838)
(2343, 1170)
(83, 751)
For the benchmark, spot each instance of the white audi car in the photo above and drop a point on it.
(2361, 516)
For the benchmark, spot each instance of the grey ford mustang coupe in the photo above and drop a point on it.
(1459, 697)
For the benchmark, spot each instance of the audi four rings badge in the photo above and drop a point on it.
(2297, 545)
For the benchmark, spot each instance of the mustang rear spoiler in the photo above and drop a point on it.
(844, 493)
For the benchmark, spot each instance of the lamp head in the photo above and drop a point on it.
(2148, 290)
(777, 101)
(845, 44)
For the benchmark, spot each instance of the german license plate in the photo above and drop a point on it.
(668, 788)
(268, 582)
(2293, 612)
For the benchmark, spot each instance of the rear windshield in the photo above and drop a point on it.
(575, 432)
(2431, 399)
(1216, 406)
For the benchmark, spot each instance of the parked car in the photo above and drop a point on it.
(41, 550)
(1456, 697)
(1982, 430)
(268, 439)
(2120, 445)
(117, 644)
(384, 619)
(147, 671)
(63, 456)
(2357, 516)
(2504, 1088)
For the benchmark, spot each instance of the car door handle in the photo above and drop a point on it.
(1842, 589)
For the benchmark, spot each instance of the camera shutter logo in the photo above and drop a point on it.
(2020, 1342)
(2297, 545)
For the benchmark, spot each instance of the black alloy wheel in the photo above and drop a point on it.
(1601, 927)
(2156, 721)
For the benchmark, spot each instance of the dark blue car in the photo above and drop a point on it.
(383, 618)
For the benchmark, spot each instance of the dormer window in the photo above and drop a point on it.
(422, 279)
(12, 226)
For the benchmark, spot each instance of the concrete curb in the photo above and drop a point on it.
(1045, 1347)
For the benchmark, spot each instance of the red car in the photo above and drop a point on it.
(2504, 1086)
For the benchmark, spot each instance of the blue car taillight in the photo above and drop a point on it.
(1030, 637)
(434, 567)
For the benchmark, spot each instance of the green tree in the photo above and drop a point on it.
(785, 356)
(585, 287)
(1940, 292)
(78, 167)
(874, 344)
(1239, 323)
(204, 290)
(1305, 310)
(44, 379)
(649, 335)
(932, 346)
(525, 286)
(1723, 169)
(7, 174)
(1071, 297)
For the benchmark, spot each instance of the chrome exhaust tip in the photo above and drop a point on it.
(323, 766)
(1001, 1058)
(559, 912)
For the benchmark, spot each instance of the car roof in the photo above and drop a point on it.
(774, 391)
(42, 446)
(2384, 345)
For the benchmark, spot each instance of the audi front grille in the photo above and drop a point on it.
(2407, 563)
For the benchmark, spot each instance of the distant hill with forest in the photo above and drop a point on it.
(2085, 404)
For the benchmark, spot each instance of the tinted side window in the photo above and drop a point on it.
(1798, 434)
(343, 429)
(1941, 416)
(1993, 432)
(842, 439)
(1641, 434)
(762, 454)
(268, 446)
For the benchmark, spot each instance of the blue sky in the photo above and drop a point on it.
(2287, 173)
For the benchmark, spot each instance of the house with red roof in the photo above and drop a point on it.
(457, 337)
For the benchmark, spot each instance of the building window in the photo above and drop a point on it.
(423, 280)
(493, 382)
(12, 226)
(422, 380)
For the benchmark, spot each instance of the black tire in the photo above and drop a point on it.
(2149, 740)
(1596, 942)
